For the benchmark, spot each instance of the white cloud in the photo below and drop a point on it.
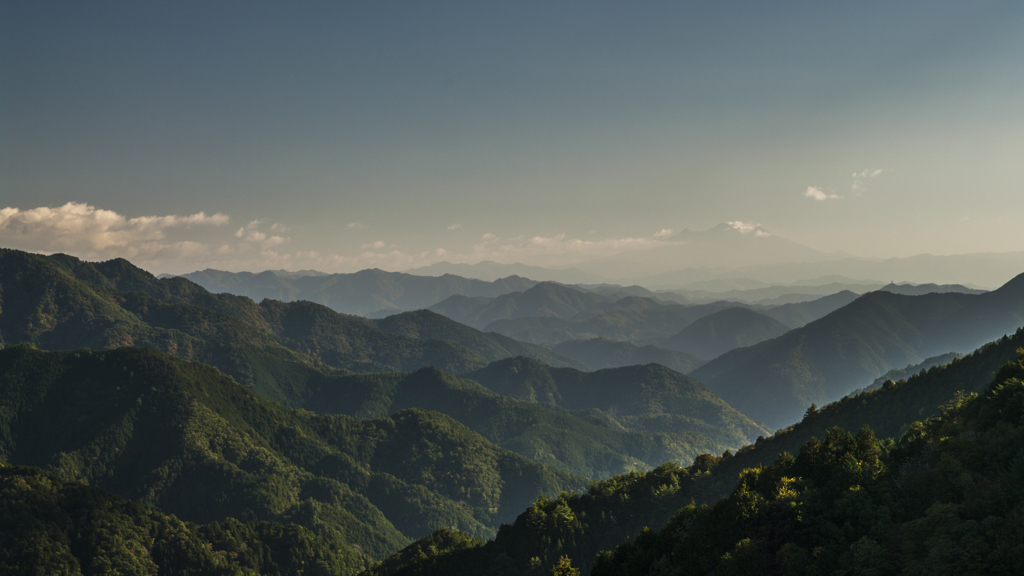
(743, 227)
(374, 245)
(817, 194)
(454, 227)
(355, 225)
(663, 234)
(89, 232)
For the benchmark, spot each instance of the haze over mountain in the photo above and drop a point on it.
(601, 353)
(490, 271)
(364, 292)
(731, 245)
(776, 380)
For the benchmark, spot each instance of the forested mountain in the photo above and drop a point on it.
(588, 443)
(627, 507)
(52, 526)
(287, 352)
(717, 333)
(60, 302)
(944, 499)
(648, 398)
(802, 313)
(599, 353)
(153, 428)
(427, 325)
(362, 293)
(543, 300)
(776, 380)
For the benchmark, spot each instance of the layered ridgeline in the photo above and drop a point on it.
(587, 442)
(630, 319)
(185, 438)
(60, 302)
(373, 292)
(587, 525)
(775, 381)
(648, 398)
(52, 526)
(286, 352)
(800, 314)
(717, 333)
(546, 299)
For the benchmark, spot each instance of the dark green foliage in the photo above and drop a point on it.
(945, 499)
(621, 507)
(601, 353)
(775, 381)
(50, 527)
(589, 446)
(715, 334)
(424, 553)
(648, 398)
(153, 428)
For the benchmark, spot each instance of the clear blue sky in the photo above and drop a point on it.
(396, 134)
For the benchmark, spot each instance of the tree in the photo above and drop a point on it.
(564, 568)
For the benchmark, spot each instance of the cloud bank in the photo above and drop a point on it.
(817, 194)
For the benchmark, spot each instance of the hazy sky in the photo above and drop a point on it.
(343, 135)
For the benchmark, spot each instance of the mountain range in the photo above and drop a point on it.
(776, 380)
(365, 292)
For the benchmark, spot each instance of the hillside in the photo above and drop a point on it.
(582, 442)
(363, 292)
(52, 526)
(776, 380)
(601, 353)
(593, 524)
(543, 300)
(149, 427)
(649, 398)
(717, 333)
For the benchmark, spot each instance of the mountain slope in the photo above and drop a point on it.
(51, 526)
(717, 333)
(151, 427)
(579, 443)
(776, 380)
(588, 526)
(650, 398)
(601, 353)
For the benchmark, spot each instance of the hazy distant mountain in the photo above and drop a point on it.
(601, 353)
(362, 292)
(715, 334)
(542, 300)
(918, 289)
(971, 270)
(799, 314)
(630, 319)
(725, 245)
(490, 271)
(776, 380)
(774, 295)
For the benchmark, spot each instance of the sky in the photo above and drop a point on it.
(345, 135)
